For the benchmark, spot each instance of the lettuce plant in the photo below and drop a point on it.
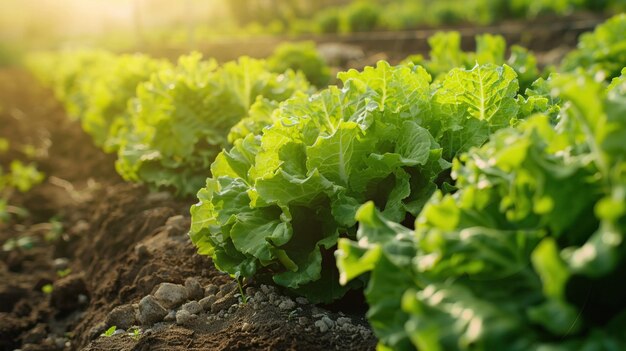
(446, 53)
(107, 90)
(278, 201)
(601, 52)
(527, 255)
(180, 118)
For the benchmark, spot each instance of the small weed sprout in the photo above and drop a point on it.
(135, 333)
(110, 331)
(47, 289)
(64, 272)
(239, 279)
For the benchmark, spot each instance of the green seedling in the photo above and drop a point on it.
(239, 279)
(110, 331)
(135, 333)
(64, 272)
(47, 289)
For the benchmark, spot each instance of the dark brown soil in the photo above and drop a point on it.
(119, 242)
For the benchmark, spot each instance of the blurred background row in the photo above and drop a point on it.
(125, 25)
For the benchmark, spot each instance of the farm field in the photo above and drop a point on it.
(461, 190)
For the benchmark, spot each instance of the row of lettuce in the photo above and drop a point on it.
(515, 195)
(297, 17)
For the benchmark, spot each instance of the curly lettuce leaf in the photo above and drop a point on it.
(301, 181)
(526, 254)
(181, 117)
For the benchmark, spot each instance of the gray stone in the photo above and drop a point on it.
(210, 289)
(303, 321)
(194, 289)
(96, 330)
(82, 299)
(150, 311)
(348, 327)
(171, 316)
(60, 263)
(259, 296)
(323, 327)
(207, 302)
(365, 333)
(329, 322)
(287, 304)
(122, 317)
(302, 300)
(119, 331)
(343, 320)
(272, 298)
(192, 307)
(267, 289)
(183, 317)
(171, 295)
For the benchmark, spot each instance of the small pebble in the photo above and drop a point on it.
(183, 317)
(303, 321)
(82, 299)
(194, 289)
(348, 327)
(343, 320)
(302, 300)
(258, 296)
(329, 322)
(171, 316)
(150, 311)
(210, 289)
(192, 307)
(246, 327)
(232, 309)
(272, 298)
(121, 316)
(171, 295)
(96, 330)
(267, 289)
(287, 304)
(323, 327)
(365, 333)
(207, 302)
(119, 331)
(60, 263)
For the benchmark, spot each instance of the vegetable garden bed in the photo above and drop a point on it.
(443, 186)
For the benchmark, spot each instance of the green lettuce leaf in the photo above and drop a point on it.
(301, 180)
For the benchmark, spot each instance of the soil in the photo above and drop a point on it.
(117, 244)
